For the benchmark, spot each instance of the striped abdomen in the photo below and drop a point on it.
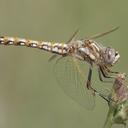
(58, 48)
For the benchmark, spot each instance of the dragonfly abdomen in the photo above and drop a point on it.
(59, 48)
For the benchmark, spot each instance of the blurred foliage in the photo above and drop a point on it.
(29, 94)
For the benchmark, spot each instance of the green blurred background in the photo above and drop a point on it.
(29, 94)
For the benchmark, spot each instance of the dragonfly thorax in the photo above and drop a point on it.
(92, 52)
(84, 52)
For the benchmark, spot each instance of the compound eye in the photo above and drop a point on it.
(109, 55)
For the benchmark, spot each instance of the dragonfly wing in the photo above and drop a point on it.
(52, 57)
(98, 35)
(71, 76)
(72, 37)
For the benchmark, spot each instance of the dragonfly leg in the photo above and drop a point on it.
(88, 84)
(100, 76)
(105, 97)
(108, 70)
(94, 91)
(105, 75)
(89, 78)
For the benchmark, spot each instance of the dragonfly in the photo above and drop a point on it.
(69, 67)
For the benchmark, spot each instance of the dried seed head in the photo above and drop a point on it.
(120, 90)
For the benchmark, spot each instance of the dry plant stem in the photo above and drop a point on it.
(108, 123)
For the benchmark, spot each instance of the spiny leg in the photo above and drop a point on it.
(101, 79)
(108, 70)
(89, 78)
(104, 73)
(94, 91)
(88, 84)
(105, 97)
(100, 76)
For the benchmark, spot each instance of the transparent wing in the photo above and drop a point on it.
(71, 76)
(98, 35)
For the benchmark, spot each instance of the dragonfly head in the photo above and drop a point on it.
(111, 56)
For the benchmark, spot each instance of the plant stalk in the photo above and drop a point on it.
(108, 123)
